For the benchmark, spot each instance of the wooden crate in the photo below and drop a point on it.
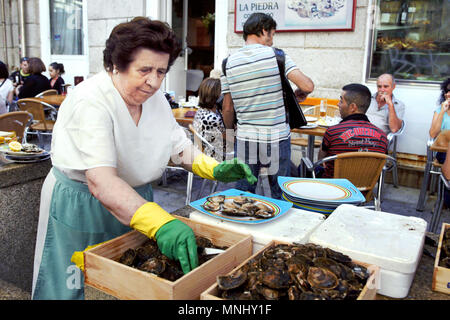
(441, 275)
(368, 293)
(102, 271)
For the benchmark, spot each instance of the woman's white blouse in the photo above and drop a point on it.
(95, 129)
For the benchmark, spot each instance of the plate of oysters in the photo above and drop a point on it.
(242, 207)
(23, 153)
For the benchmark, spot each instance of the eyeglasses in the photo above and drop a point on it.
(23, 59)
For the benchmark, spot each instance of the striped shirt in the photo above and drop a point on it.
(253, 80)
(353, 133)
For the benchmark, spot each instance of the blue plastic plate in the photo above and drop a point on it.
(278, 206)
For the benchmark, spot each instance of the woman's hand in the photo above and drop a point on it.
(445, 105)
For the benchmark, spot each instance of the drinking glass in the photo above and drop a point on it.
(323, 108)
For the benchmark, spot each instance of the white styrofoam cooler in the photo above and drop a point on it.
(390, 241)
(296, 225)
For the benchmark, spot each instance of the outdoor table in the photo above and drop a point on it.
(54, 100)
(312, 133)
(179, 114)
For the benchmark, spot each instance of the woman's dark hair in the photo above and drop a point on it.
(208, 92)
(444, 90)
(257, 22)
(358, 94)
(36, 66)
(58, 66)
(3, 71)
(141, 32)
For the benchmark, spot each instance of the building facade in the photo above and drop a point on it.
(331, 58)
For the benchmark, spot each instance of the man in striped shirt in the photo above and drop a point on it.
(252, 91)
(354, 132)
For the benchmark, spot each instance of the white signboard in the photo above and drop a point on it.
(300, 15)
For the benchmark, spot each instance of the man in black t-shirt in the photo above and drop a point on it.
(354, 132)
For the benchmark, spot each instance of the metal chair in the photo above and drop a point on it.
(16, 121)
(363, 169)
(199, 142)
(392, 143)
(432, 166)
(190, 176)
(40, 125)
(48, 92)
(443, 185)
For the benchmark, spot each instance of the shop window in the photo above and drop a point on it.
(66, 27)
(411, 40)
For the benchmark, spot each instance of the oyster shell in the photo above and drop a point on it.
(240, 200)
(232, 281)
(128, 257)
(322, 278)
(153, 265)
(276, 278)
(216, 199)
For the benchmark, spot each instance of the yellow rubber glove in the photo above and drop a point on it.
(175, 239)
(78, 256)
(149, 218)
(203, 166)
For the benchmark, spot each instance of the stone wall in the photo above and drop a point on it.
(103, 16)
(32, 32)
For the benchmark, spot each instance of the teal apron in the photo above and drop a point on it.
(76, 220)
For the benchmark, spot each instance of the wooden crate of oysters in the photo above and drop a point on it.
(158, 277)
(441, 274)
(282, 271)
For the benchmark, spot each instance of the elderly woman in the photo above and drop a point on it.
(36, 82)
(115, 134)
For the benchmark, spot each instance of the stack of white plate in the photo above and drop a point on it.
(24, 157)
(319, 195)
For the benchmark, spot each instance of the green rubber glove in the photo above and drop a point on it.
(177, 241)
(233, 170)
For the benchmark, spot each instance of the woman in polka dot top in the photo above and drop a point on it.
(208, 120)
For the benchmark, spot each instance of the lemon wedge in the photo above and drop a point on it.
(15, 146)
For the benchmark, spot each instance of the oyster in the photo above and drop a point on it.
(276, 278)
(216, 199)
(264, 214)
(146, 252)
(322, 278)
(128, 257)
(212, 206)
(268, 293)
(153, 265)
(232, 281)
(240, 200)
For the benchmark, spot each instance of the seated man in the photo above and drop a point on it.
(386, 111)
(354, 132)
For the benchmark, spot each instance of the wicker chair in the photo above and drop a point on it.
(313, 111)
(48, 92)
(363, 169)
(16, 121)
(41, 125)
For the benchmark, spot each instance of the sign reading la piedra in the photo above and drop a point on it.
(244, 8)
